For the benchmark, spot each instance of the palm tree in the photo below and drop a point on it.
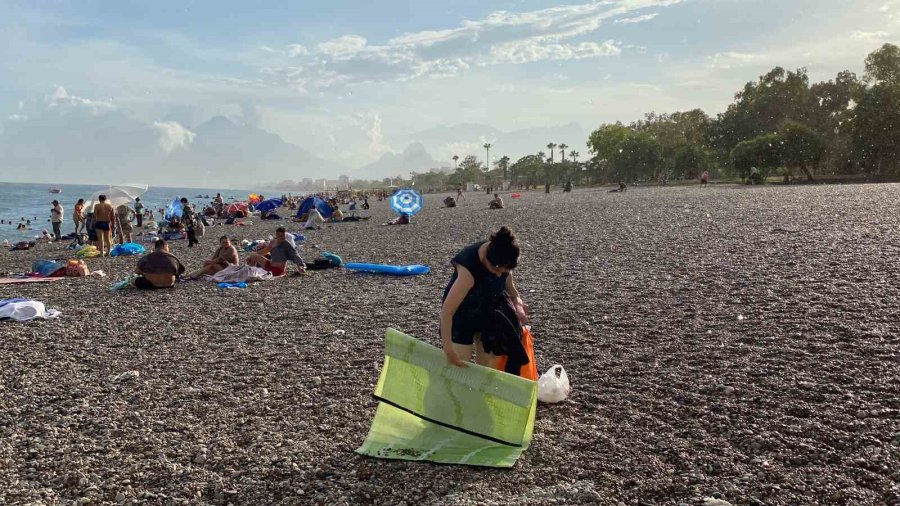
(503, 164)
(562, 151)
(541, 155)
(487, 147)
(455, 161)
(551, 147)
(574, 155)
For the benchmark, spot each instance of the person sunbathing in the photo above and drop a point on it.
(158, 269)
(224, 256)
(314, 220)
(403, 219)
(497, 203)
(280, 251)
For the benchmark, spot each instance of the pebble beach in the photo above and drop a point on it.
(732, 344)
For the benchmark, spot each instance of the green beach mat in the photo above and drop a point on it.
(430, 410)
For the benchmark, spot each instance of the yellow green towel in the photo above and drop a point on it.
(430, 410)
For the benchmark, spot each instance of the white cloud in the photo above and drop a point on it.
(870, 36)
(17, 117)
(296, 50)
(342, 48)
(637, 19)
(500, 38)
(532, 51)
(733, 59)
(172, 135)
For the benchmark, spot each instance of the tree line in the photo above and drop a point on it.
(781, 124)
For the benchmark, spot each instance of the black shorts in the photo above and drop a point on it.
(141, 283)
(102, 225)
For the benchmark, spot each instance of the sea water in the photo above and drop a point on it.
(33, 202)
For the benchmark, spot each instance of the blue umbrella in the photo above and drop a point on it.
(269, 205)
(406, 201)
(324, 209)
(174, 210)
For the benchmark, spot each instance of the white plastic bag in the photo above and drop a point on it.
(553, 387)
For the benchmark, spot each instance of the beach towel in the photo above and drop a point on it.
(432, 411)
(16, 281)
(24, 310)
(241, 273)
(127, 249)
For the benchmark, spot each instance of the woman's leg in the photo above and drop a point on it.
(482, 357)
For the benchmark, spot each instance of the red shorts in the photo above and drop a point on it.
(275, 270)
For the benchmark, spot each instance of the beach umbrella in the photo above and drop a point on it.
(269, 205)
(235, 207)
(406, 201)
(175, 209)
(324, 209)
(116, 195)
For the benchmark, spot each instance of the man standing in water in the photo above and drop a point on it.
(56, 217)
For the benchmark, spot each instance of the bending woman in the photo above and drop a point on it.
(481, 304)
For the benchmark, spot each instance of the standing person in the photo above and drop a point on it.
(56, 217)
(104, 215)
(481, 307)
(139, 212)
(78, 216)
(124, 214)
(459, 194)
(704, 178)
(189, 221)
(280, 252)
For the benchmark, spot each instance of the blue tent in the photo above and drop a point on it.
(320, 204)
(269, 205)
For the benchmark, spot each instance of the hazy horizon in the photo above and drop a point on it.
(237, 95)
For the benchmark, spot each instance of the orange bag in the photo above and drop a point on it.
(529, 370)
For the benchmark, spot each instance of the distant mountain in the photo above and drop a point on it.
(414, 158)
(224, 148)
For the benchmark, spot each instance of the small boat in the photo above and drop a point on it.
(54, 189)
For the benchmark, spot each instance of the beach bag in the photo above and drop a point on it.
(529, 370)
(553, 385)
(127, 249)
(77, 268)
(48, 268)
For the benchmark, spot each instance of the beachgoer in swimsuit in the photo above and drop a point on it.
(78, 216)
(103, 218)
(224, 256)
(280, 251)
(497, 203)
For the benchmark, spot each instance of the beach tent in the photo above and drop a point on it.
(269, 205)
(324, 209)
(430, 410)
(235, 207)
(116, 195)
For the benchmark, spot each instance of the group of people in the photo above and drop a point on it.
(160, 269)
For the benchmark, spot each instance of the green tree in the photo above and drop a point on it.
(637, 159)
(528, 169)
(801, 147)
(503, 166)
(606, 141)
(883, 65)
(689, 161)
(761, 152)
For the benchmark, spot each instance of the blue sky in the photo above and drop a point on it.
(356, 79)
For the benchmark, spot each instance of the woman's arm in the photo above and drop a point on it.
(511, 287)
(464, 282)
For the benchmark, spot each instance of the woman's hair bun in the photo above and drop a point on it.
(504, 248)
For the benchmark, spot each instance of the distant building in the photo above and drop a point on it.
(344, 182)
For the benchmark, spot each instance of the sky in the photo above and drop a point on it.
(351, 81)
